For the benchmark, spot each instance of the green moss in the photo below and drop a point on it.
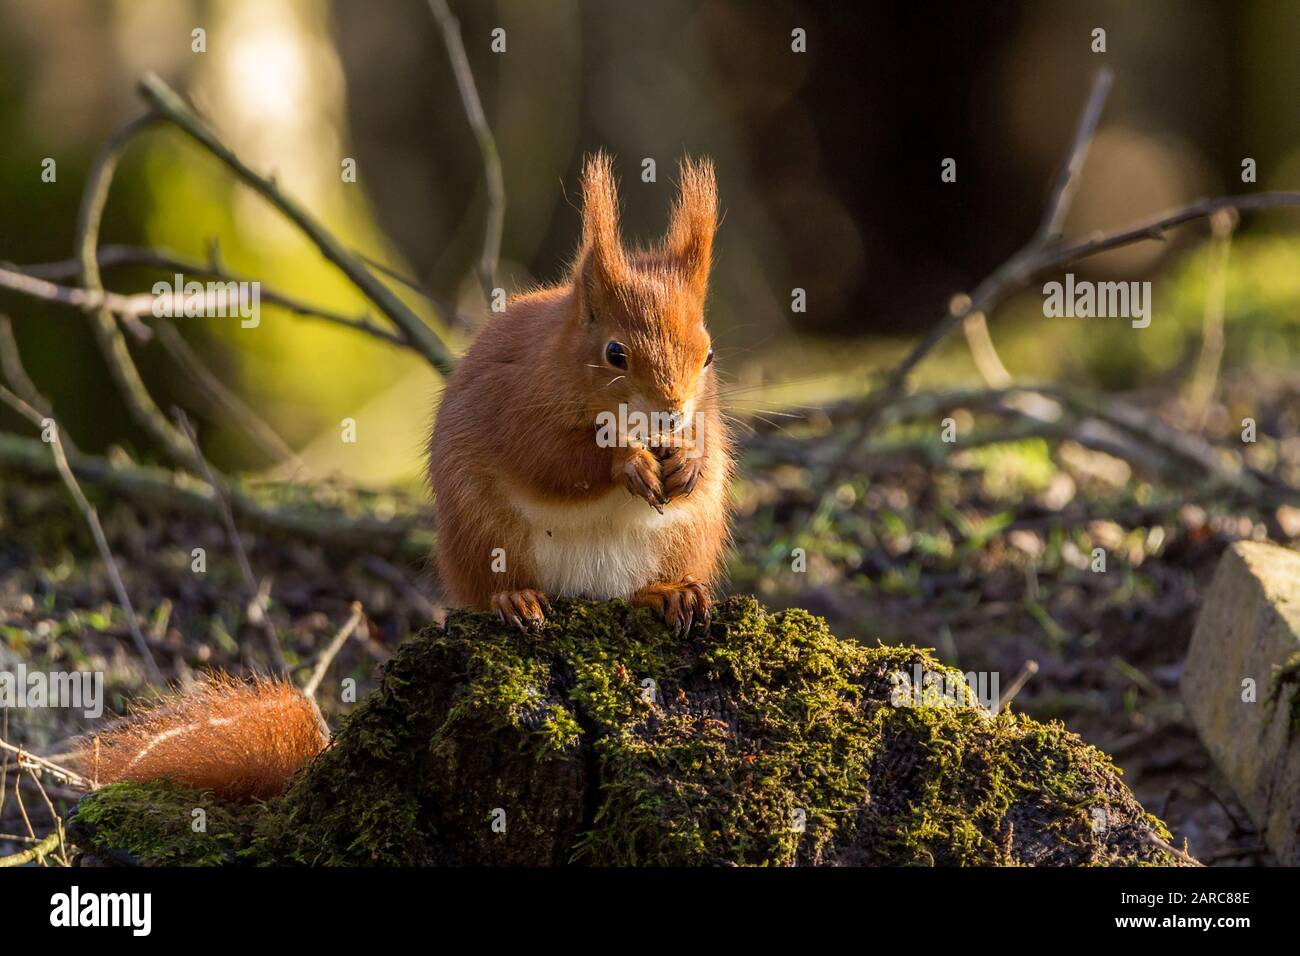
(601, 739)
(160, 824)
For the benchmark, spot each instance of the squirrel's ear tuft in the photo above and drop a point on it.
(694, 219)
(602, 247)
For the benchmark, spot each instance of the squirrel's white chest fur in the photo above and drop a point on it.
(608, 547)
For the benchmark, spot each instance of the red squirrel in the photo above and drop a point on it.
(537, 494)
(241, 740)
(530, 502)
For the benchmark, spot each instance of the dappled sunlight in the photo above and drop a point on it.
(272, 84)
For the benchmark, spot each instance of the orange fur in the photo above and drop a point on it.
(514, 445)
(241, 740)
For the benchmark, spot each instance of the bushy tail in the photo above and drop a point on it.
(240, 739)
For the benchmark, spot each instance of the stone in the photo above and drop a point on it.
(1241, 685)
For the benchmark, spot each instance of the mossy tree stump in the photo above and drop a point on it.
(603, 740)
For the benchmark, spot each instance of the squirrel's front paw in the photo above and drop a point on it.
(639, 472)
(679, 470)
(678, 602)
(518, 607)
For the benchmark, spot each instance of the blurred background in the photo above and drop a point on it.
(828, 163)
(829, 168)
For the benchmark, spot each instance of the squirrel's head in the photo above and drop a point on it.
(640, 313)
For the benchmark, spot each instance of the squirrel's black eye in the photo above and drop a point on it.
(708, 359)
(616, 355)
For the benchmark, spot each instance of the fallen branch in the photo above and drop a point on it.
(108, 335)
(155, 487)
(416, 332)
(1052, 412)
(36, 853)
(1045, 252)
(141, 305)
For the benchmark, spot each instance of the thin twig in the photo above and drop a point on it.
(112, 343)
(12, 367)
(988, 292)
(96, 529)
(141, 305)
(332, 650)
(11, 364)
(257, 597)
(18, 799)
(444, 307)
(975, 324)
(16, 279)
(987, 361)
(54, 814)
(496, 190)
(1170, 848)
(1184, 448)
(1067, 180)
(1206, 377)
(35, 853)
(417, 332)
(133, 307)
(1017, 685)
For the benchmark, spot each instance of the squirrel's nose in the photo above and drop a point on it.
(668, 422)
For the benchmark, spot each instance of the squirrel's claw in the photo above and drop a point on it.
(679, 603)
(680, 472)
(524, 609)
(640, 474)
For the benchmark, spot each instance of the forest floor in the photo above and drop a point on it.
(984, 554)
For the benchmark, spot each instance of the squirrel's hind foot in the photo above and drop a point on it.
(524, 608)
(679, 603)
